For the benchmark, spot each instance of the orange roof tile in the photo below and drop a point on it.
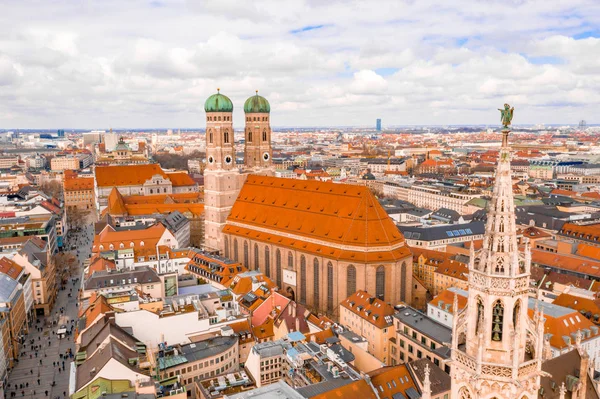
(566, 262)
(319, 337)
(447, 298)
(578, 303)
(563, 326)
(100, 264)
(10, 268)
(264, 330)
(589, 251)
(116, 206)
(149, 237)
(357, 389)
(79, 184)
(382, 380)
(332, 215)
(126, 175)
(179, 179)
(369, 308)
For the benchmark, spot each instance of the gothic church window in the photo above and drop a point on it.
(264, 135)
(246, 254)
(497, 321)
(329, 286)
(290, 260)
(226, 136)
(303, 278)
(256, 257)
(316, 284)
(250, 137)
(267, 262)
(226, 247)
(235, 250)
(480, 316)
(380, 283)
(350, 280)
(210, 136)
(278, 266)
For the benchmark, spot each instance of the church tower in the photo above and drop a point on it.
(257, 151)
(221, 176)
(496, 347)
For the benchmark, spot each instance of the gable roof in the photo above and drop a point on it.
(370, 309)
(342, 221)
(10, 268)
(149, 236)
(127, 175)
(391, 380)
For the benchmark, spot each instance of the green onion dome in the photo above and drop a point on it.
(256, 104)
(218, 103)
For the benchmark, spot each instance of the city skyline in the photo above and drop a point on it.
(154, 63)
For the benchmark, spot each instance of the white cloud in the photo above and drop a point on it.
(140, 63)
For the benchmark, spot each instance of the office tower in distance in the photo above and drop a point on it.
(378, 125)
(61, 133)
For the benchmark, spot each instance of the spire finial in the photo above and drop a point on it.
(563, 391)
(257, 92)
(218, 89)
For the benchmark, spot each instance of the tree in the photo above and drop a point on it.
(77, 218)
(176, 161)
(53, 189)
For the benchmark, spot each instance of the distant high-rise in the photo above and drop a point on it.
(61, 133)
(378, 126)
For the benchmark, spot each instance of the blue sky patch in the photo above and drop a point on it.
(307, 29)
(386, 71)
(587, 34)
(545, 60)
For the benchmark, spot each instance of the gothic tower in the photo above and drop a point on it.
(221, 176)
(257, 151)
(496, 347)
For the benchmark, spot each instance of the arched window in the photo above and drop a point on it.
(380, 283)
(329, 286)
(350, 280)
(278, 266)
(249, 136)
(210, 136)
(480, 316)
(121, 245)
(497, 321)
(516, 315)
(226, 247)
(264, 135)
(256, 261)
(246, 254)
(316, 285)
(464, 393)
(131, 244)
(226, 136)
(267, 262)
(290, 260)
(403, 282)
(303, 279)
(235, 250)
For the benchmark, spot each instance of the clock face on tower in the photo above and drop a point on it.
(228, 159)
(211, 160)
(266, 156)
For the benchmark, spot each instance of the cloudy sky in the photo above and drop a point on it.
(152, 63)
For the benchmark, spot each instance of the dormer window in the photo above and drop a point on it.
(111, 246)
(141, 243)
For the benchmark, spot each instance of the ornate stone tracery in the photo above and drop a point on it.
(494, 358)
